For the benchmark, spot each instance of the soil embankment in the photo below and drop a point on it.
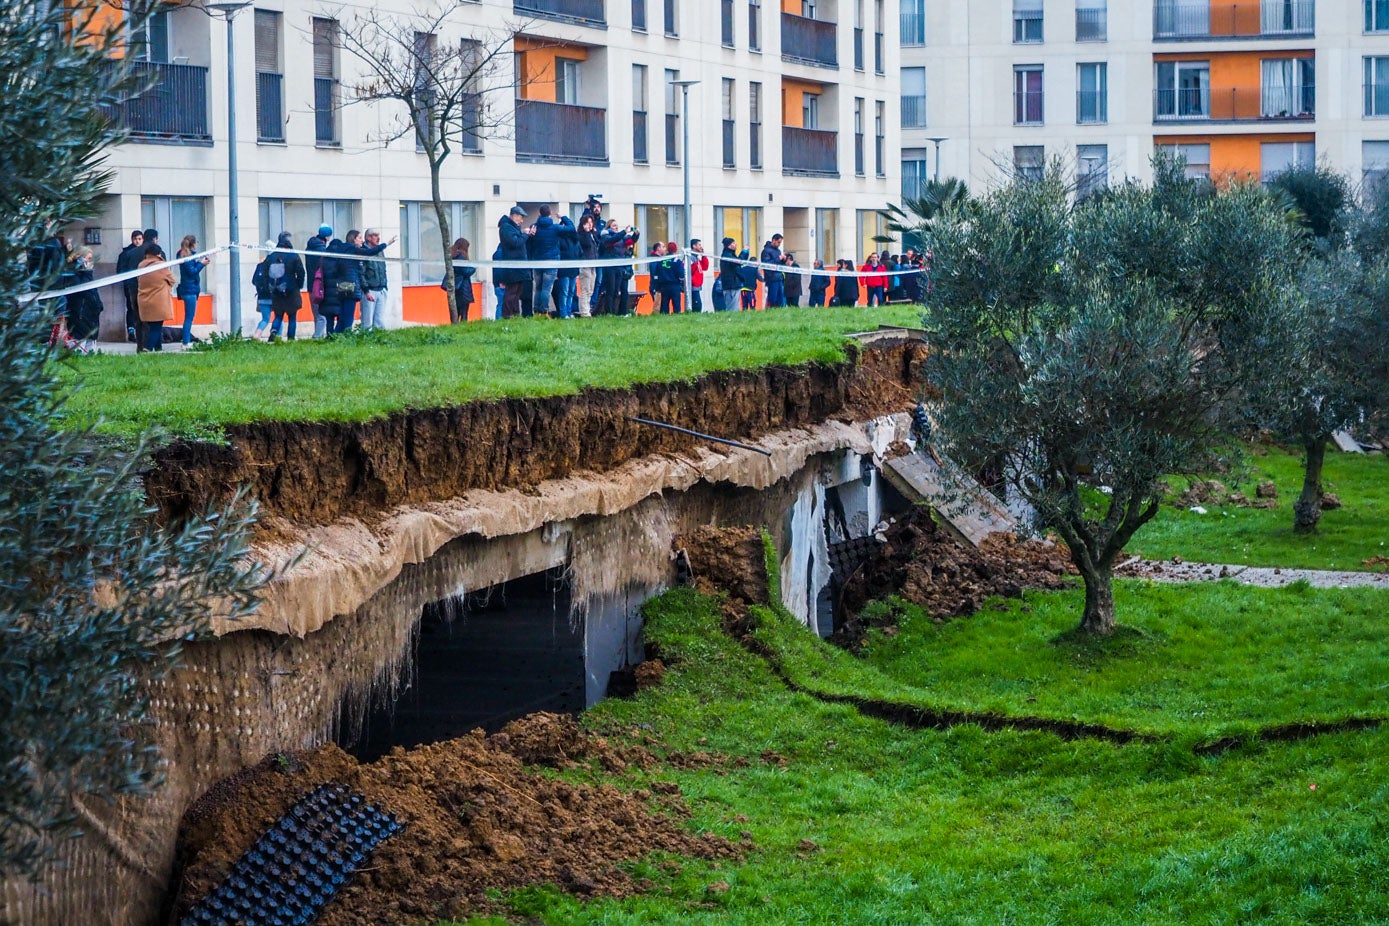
(303, 474)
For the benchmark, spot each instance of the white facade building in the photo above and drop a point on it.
(786, 133)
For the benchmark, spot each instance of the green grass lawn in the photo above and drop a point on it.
(1196, 661)
(362, 377)
(963, 826)
(1344, 539)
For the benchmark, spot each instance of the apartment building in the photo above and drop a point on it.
(793, 128)
(1237, 87)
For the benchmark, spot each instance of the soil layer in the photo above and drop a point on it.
(314, 473)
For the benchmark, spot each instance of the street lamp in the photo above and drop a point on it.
(936, 142)
(685, 86)
(229, 9)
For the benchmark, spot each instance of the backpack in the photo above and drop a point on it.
(316, 292)
(279, 279)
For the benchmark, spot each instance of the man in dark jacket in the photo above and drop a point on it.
(793, 281)
(129, 260)
(544, 246)
(728, 276)
(776, 285)
(342, 277)
(312, 264)
(512, 247)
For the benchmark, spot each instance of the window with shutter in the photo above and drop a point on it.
(325, 38)
(267, 42)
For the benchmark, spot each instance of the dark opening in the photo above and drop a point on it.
(483, 659)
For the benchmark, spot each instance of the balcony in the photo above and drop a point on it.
(579, 11)
(913, 26)
(913, 112)
(270, 107)
(1092, 25)
(172, 108)
(1235, 104)
(1180, 20)
(1092, 107)
(809, 152)
(561, 132)
(809, 41)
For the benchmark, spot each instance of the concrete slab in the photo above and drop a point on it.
(967, 507)
(1345, 443)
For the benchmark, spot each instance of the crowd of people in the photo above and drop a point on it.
(341, 276)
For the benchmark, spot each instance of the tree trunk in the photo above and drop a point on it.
(1307, 508)
(1099, 600)
(441, 216)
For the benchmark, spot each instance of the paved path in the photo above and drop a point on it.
(1262, 576)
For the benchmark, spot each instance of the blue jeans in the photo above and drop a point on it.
(776, 293)
(279, 318)
(544, 286)
(263, 307)
(190, 305)
(154, 335)
(568, 301)
(500, 293)
(876, 295)
(347, 314)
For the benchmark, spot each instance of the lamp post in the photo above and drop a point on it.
(685, 86)
(229, 9)
(936, 142)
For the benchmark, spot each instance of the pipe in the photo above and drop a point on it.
(717, 440)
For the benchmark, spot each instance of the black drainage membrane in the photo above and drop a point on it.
(300, 863)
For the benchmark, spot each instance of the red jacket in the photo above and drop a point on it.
(698, 264)
(874, 280)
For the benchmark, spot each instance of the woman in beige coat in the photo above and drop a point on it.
(156, 297)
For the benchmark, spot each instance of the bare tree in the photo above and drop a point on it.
(447, 87)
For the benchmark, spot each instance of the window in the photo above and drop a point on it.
(914, 175)
(827, 235)
(913, 98)
(672, 118)
(1027, 94)
(880, 138)
(672, 17)
(176, 216)
(727, 22)
(810, 110)
(419, 237)
(1092, 20)
(742, 224)
(1288, 88)
(754, 25)
(913, 15)
(1092, 170)
(425, 45)
(1376, 16)
(858, 35)
(1027, 21)
(1183, 90)
(1092, 95)
(1374, 159)
(301, 217)
(858, 135)
(567, 81)
(1377, 86)
(639, 110)
(1287, 17)
(755, 125)
(879, 40)
(661, 223)
(270, 93)
(1277, 157)
(873, 235)
(730, 124)
(325, 81)
(150, 42)
(1029, 162)
(1197, 158)
(639, 15)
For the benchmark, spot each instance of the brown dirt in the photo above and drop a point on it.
(926, 565)
(477, 819)
(729, 561)
(1215, 493)
(308, 473)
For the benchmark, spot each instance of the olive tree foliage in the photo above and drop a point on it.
(1083, 353)
(452, 84)
(94, 598)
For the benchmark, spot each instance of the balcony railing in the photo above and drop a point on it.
(270, 107)
(561, 132)
(809, 151)
(1235, 104)
(672, 138)
(639, 138)
(590, 11)
(913, 112)
(1192, 19)
(1377, 99)
(810, 40)
(913, 23)
(325, 110)
(172, 108)
(730, 143)
(1092, 107)
(1092, 25)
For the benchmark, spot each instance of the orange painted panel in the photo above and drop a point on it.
(1236, 78)
(791, 6)
(429, 305)
(1235, 156)
(793, 98)
(538, 68)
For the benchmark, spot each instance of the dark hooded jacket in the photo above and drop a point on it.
(513, 247)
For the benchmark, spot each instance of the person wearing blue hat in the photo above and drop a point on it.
(313, 264)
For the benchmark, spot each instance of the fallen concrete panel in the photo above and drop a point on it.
(1345, 443)
(967, 507)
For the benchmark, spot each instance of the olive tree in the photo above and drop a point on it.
(94, 597)
(1084, 353)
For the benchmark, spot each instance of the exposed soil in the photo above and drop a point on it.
(313, 473)
(730, 561)
(925, 564)
(477, 820)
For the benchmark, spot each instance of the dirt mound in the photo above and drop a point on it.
(730, 561)
(925, 564)
(477, 821)
(1201, 492)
